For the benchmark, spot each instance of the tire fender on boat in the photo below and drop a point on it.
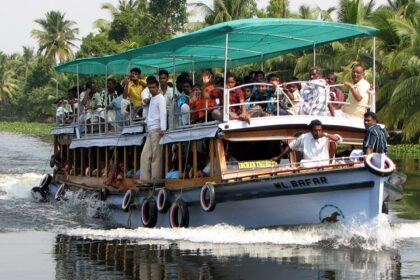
(373, 160)
(104, 194)
(40, 195)
(45, 182)
(179, 215)
(128, 200)
(163, 200)
(208, 197)
(149, 212)
(60, 193)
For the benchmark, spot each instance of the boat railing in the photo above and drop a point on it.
(317, 106)
(278, 102)
(236, 170)
(99, 123)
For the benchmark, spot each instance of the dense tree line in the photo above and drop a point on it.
(28, 82)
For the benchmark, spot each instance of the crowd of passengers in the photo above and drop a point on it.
(254, 95)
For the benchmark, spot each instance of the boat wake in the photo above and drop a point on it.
(377, 235)
(18, 186)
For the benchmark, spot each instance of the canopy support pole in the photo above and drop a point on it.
(174, 115)
(314, 55)
(225, 90)
(106, 101)
(78, 94)
(193, 72)
(373, 92)
(262, 62)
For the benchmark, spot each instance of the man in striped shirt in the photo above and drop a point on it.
(375, 138)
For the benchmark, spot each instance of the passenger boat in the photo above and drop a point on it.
(244, 187)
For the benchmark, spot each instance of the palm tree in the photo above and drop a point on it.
(397, 4)
(354, 11)
(399, 96)
(324, 14)
(278, 9)
(122, 7)
(56, 37)
(8, 81)
(305, 12)
(226, 10)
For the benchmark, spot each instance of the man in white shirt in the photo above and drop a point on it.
(168, 93)
(314, 145)
(151, 156)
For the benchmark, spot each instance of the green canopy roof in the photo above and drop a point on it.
(249, 41)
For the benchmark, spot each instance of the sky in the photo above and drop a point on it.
(17, 17)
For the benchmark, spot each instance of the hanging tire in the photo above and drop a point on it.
(45, 182)
(104, 194)
(128, 200)
(179, 215)
(163, 200)
(208, 198)
(39, 194)
(60, 193)
(52, 161)
(371, 161)
(149, 213)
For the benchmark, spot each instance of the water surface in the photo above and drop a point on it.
(45, 241)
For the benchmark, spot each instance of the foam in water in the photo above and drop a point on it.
(377, 235)
(14, 186)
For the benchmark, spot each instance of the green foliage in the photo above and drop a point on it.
(405, 149)
(56, 37)
(226, 10)
(97, 45)
(399, 53)
(278, 9)
(169, 16)
(33, 128)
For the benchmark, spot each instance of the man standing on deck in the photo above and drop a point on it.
(151, 156)
(168, 93)
(314, 145)
(375, 138)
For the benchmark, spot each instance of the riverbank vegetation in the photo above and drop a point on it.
(31, 128)
(405, 149)
(29, 86)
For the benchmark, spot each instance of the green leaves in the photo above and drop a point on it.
(56, 37)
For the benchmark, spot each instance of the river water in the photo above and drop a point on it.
(45, 241)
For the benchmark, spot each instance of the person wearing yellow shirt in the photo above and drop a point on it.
(133, 87)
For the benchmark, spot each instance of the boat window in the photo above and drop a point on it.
(192, 158)
(249, 154)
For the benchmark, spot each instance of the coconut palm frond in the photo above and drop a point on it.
(411, 128)
(407, 91)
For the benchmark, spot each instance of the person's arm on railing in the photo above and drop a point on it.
(354, 91)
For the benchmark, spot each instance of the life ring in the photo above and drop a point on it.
(128, 200)
(179, 206)
(149, 213)
(45, 182)
(372, 160)
(163, 201)
(208, 197)
(104, 194)
(60, 193)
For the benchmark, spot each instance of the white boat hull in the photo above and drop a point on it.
(307, 198)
